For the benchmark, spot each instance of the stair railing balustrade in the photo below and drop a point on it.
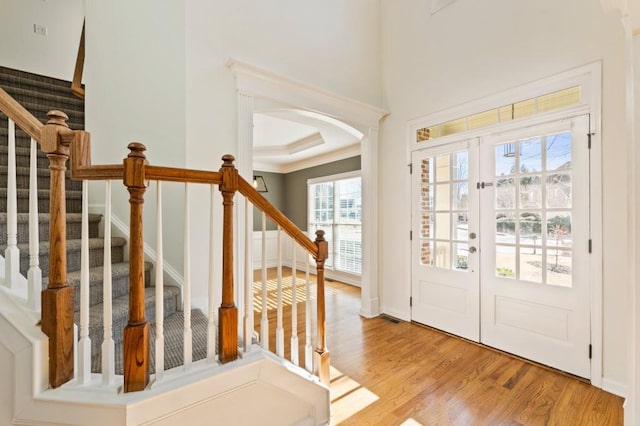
(61, 144)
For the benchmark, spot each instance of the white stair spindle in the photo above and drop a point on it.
(34, 276)
(108, 345)
(187, 283)
(279, 325)
(84, 346)
(159, 345)
(212, 327)
(294, 308)
(308, 347)
(248, 278)
(12, 253)
(264, 323)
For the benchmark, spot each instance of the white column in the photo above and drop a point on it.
(12, 253)
(108, 345)
(84, 346)
(212, 326)
(279, 323)
(264, 323)
(294, 307)
(34, 276)
(244, 164)
(308, 346)
(632, 413)
(159, 345)
(369, 160)
(248, 278)
(186, 291)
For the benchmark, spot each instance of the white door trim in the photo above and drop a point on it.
(589, 77)
(255, 82)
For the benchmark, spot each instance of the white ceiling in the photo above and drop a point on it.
(286, 140)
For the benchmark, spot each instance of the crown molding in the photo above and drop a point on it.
(300, 145)
(340, 154)
(259, 82)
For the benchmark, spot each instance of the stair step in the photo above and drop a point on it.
(173, 339)
(23, 140)
(23, 155)
(44, 178)
(74, 226)
(120, 314)
(40, 110)
(96, 254)
(15, 78)
(74, 200)
(62, 102)
(119, 282)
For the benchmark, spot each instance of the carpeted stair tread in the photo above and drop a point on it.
(173, 339)
(76, 118)
(74, 226)
(119, 282)
(74, 200)
(15, 78)
(23, 156)
(96, 254)
(120, 314)
(63, 102)
(23, 176)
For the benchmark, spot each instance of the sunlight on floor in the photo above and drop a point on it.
(411, 422)
(348, 397)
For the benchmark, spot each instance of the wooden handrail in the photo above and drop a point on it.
(76, 84)
(62, 144)
(171, 174)
(23, 118)
(246, 189)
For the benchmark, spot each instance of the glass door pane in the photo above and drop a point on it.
(533, 209)
(444, 210)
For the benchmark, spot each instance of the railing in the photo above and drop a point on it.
(76, 83)
(60, 143)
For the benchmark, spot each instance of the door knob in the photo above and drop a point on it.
(472, 249)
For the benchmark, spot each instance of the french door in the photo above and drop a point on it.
(500, 247)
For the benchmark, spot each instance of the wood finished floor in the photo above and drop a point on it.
(406, 374)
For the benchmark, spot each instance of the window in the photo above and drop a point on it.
(549, 102)
(335, 206)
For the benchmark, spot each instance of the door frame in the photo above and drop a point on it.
(589, 78)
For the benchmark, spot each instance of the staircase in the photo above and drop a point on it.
(39, 95)
(217, 389)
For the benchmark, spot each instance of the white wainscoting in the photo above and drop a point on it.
(287, 257)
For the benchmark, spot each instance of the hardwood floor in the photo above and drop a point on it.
(386, 373)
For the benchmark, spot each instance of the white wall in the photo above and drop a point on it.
(333, 45)
(53, 55)
(156, 74)
(135, 91)
(473, 49)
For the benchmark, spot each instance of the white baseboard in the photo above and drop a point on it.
(615, 387)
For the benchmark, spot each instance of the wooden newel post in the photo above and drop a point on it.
(57, 298)
(321, 357)
(228, 312)
(136, 333)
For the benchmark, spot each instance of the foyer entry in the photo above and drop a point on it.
(500, 242)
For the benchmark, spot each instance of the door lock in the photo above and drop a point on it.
(472, 235)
